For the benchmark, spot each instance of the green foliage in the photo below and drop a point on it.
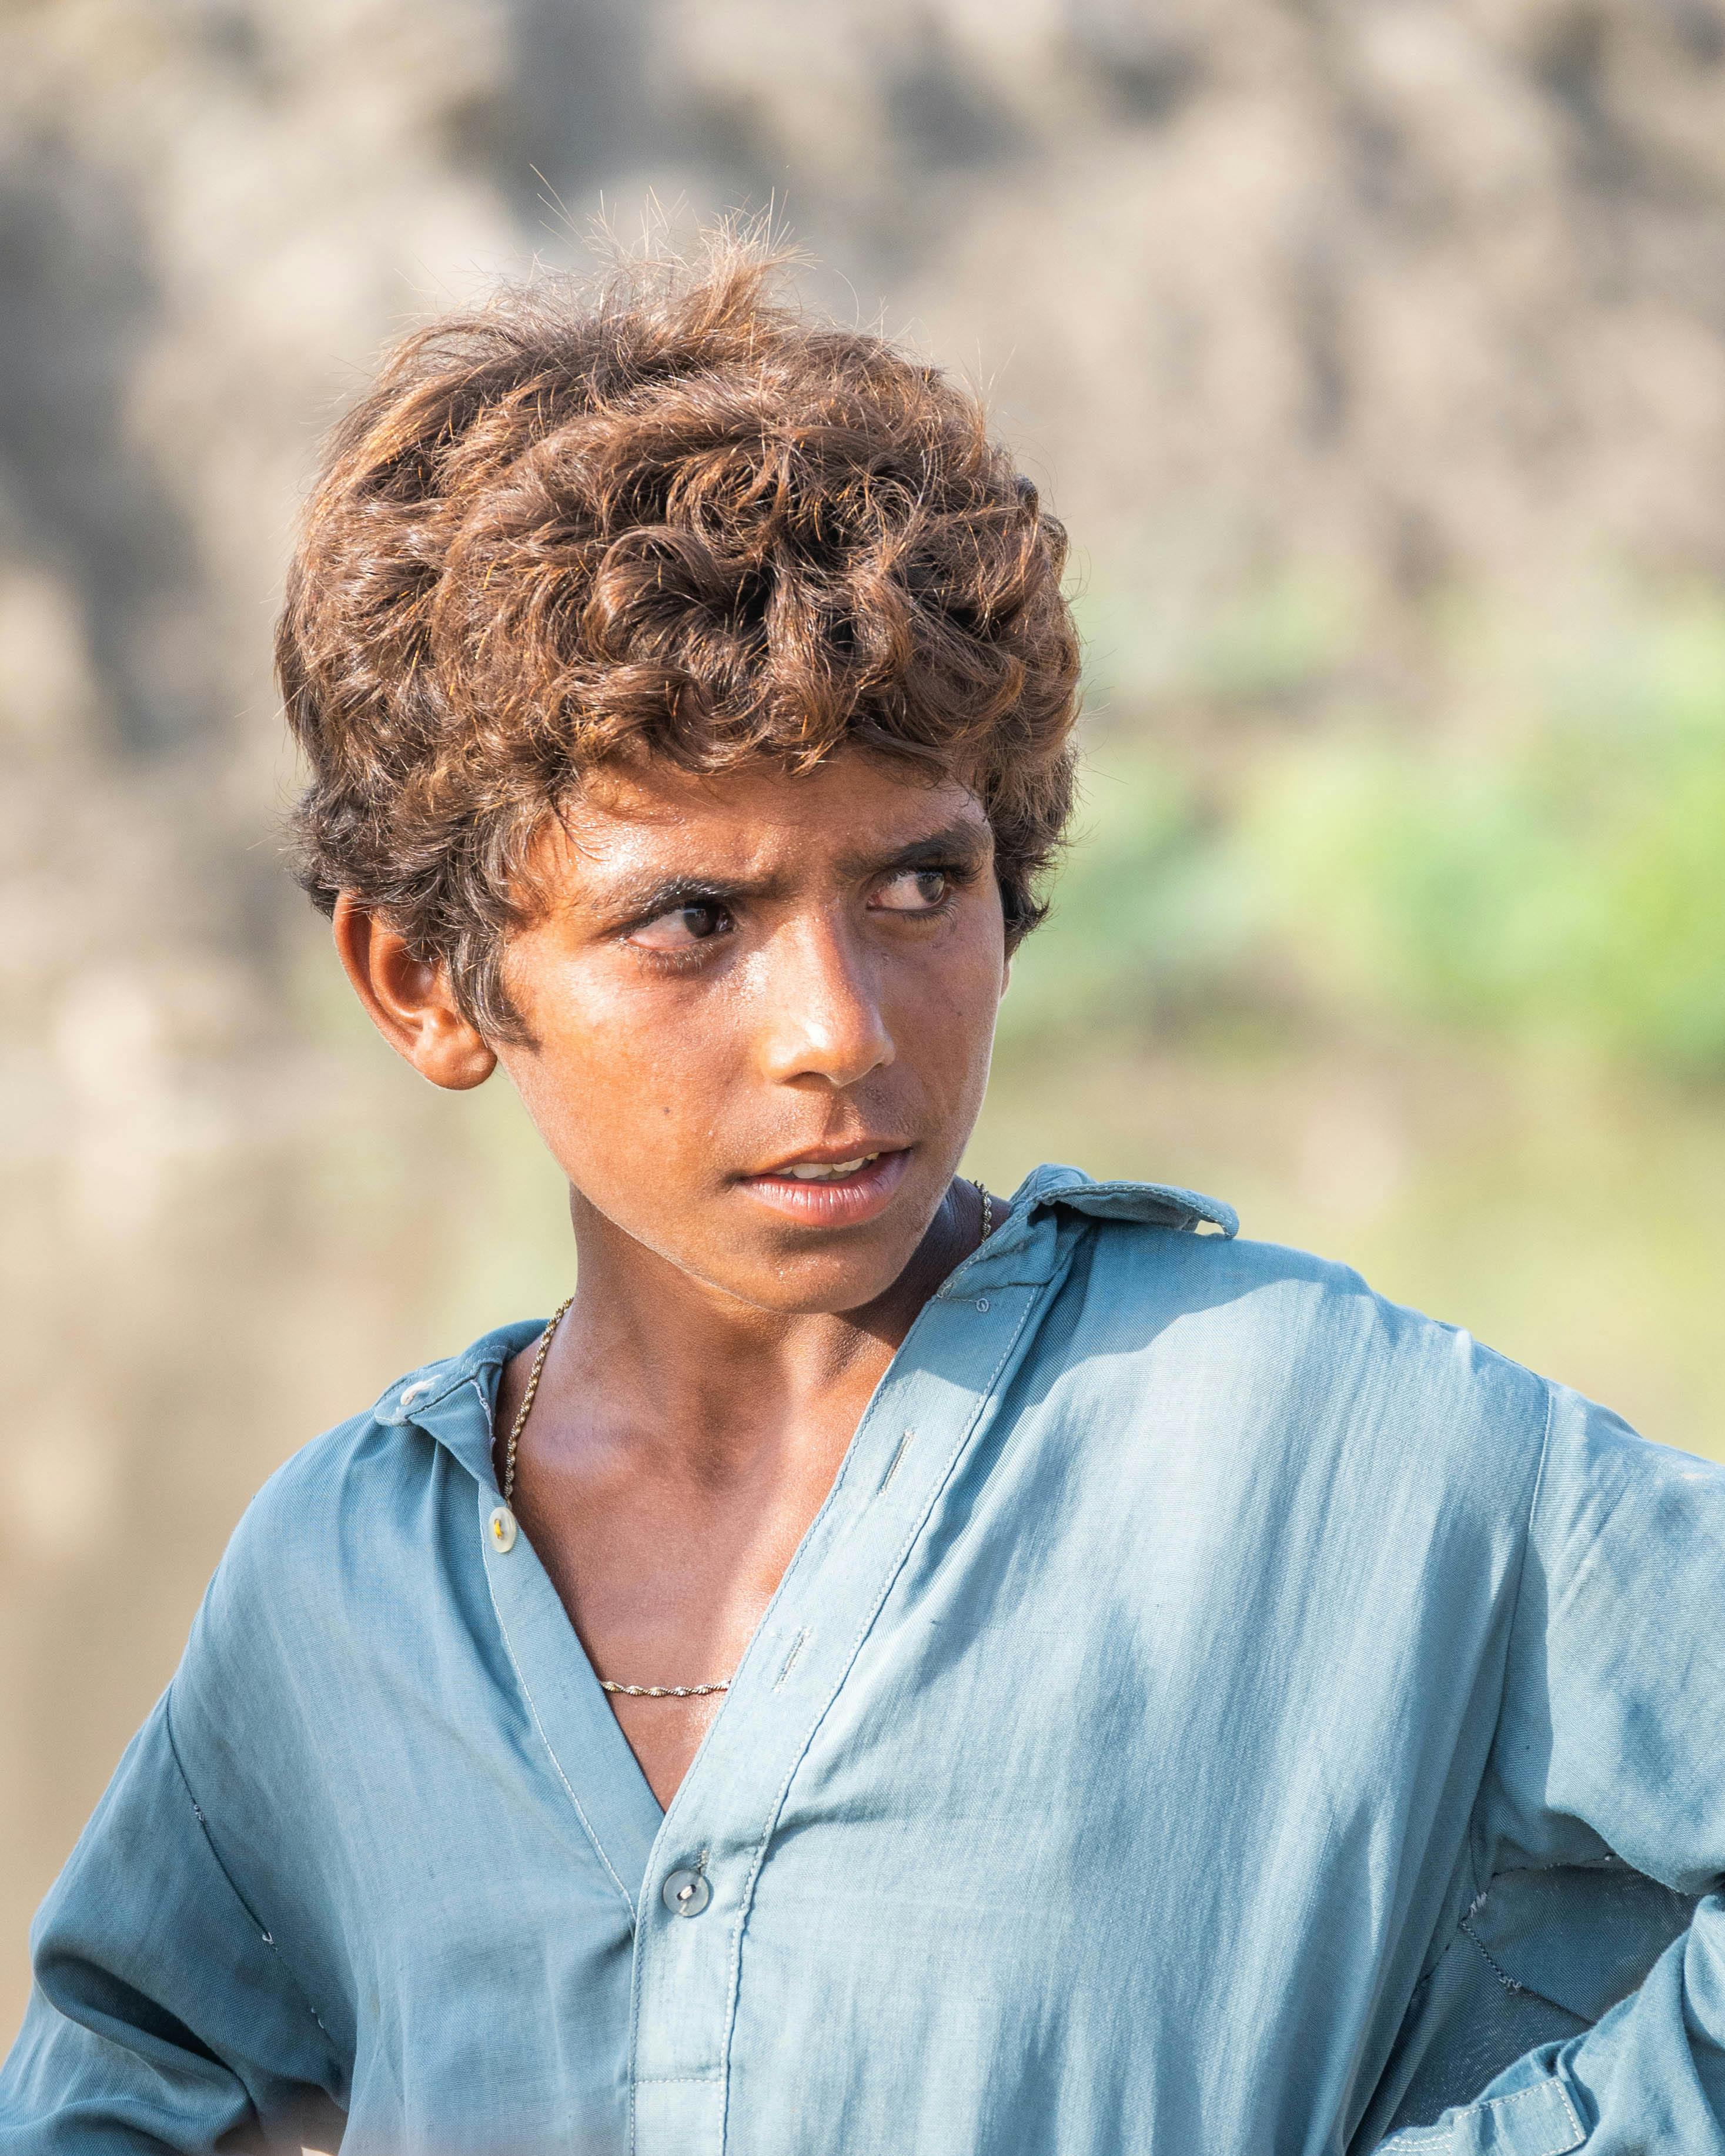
(1545, 860)
(1272, 642)
(1148, 914)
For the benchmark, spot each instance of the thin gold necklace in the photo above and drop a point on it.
(503, 1521)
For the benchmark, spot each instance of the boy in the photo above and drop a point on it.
(887, 1668)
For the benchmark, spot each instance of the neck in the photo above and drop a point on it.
(654, 1364)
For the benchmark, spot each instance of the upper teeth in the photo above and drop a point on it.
(829, 1171)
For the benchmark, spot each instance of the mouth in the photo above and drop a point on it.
(824, 1192)
(828, 1171)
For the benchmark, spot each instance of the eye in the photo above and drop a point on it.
(683, 928)
(914, 890)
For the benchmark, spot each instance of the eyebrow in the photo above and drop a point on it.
(962, 843)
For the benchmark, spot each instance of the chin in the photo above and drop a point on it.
(826, 1285)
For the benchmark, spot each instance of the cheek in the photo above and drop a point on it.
(618, 1061)
(944, 1002)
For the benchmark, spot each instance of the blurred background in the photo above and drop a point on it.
(1375, 355)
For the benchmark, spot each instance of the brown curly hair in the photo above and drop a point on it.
(664, 514)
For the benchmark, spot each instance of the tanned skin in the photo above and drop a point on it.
(725, 975)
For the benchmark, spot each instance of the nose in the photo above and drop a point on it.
(820, 1014)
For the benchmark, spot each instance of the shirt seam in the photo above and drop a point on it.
(841, 1482)
(586, 1825)
(265, 1934)
(1483, 1878)
(1443, 2137)
(906, 1547)
(492, 1489)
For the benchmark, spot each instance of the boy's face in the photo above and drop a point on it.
(761, 1011)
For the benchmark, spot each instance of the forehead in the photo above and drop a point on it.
(759, 820)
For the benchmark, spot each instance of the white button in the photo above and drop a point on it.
(686, 1894)
(502, 1526)
(982, 1302)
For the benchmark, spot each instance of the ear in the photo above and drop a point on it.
(409, 1000)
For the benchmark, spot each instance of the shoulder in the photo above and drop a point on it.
(1299, 1343)
(350, 1524)
(365, 1458)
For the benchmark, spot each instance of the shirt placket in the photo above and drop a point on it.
(692, 1914)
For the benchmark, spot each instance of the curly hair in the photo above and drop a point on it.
(665, 515)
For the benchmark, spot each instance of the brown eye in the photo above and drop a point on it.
(917, 890)
(682, 928)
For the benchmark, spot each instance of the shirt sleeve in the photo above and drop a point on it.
(1610, 1750)
(162, 2017)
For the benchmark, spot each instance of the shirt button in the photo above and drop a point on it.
(982, 1302)
(501, 1525)
(686, 1894)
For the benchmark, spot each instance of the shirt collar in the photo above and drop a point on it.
(1163, 1205)
(1025, 1248)
(453, 1400)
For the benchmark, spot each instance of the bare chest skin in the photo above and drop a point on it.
(665, 1550)
(665, 1477)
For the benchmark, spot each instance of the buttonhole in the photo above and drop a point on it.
(796, 1649)
(893, 1464)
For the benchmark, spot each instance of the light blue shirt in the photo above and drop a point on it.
(1216, 1712)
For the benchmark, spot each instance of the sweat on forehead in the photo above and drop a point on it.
(664, 518)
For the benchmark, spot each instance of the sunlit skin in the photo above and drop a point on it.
(722, 978)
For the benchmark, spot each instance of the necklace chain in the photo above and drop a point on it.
(664, 1692)
(526, 1406)
(608, 1684)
